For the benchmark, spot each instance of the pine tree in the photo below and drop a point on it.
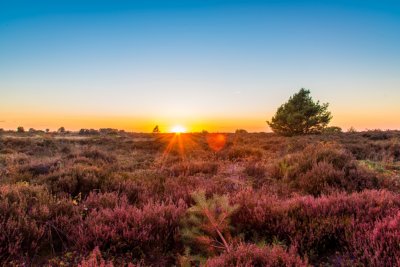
(207, 228)
(300, 115)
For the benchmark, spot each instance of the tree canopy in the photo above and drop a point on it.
(300, 115)
(156, 129)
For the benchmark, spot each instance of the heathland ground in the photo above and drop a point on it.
(243, 199)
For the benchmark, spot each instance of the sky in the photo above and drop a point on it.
(215, 65)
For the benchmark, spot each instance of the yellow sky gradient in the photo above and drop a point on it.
(255, 123)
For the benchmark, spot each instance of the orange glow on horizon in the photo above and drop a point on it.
(39, 120)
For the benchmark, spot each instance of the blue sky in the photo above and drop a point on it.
(220, 65)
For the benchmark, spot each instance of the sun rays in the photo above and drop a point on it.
(180, 144)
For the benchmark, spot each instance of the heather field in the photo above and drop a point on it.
(190, 199)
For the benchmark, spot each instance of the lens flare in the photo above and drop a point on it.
(216, 141)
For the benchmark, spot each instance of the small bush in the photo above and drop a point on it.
(98, 155)
(79, 179)
(243, 152)
(149, 232)
(332, 130)
(255, 170)
(207, 228)
(33, 220)
(95, 260)
(373, 244)
(191, 168)
(251, 255)
(376, 135)
(322, 169)
(317, 226)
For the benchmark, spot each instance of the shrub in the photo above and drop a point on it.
(95, 260)
(244, 152)
(149, 232)
(41, 168)
(191, 168)
(324, 168)
(376, 135)
(300, 115)
(332, 130)
(79, 179)
(88, 132)
(98, 155)
(252, 255)
(255, 170)
(98, 201)
(32, 220)
(241, 131)
(317, 226)
(207, 225)
(20, 129)
(374, 244)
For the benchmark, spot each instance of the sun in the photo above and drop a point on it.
(178, 129)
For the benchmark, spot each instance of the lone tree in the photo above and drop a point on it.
(156, 129)
(300, 115)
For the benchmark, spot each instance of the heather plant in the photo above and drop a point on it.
(207, 226)
(33, 220)
(79, 179)
(191, 168)
(240, 153)
(95, 260)
(255, 170)
(149, 233)
(374, 243)
(282, 198)
(23, 213)
(252, 255)
(324, 168)
(317, 226)
(98, 155)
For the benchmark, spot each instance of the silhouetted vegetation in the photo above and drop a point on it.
(156, 129)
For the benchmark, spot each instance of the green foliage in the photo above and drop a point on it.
(207, 228)
(300, 115)
(332, 130)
